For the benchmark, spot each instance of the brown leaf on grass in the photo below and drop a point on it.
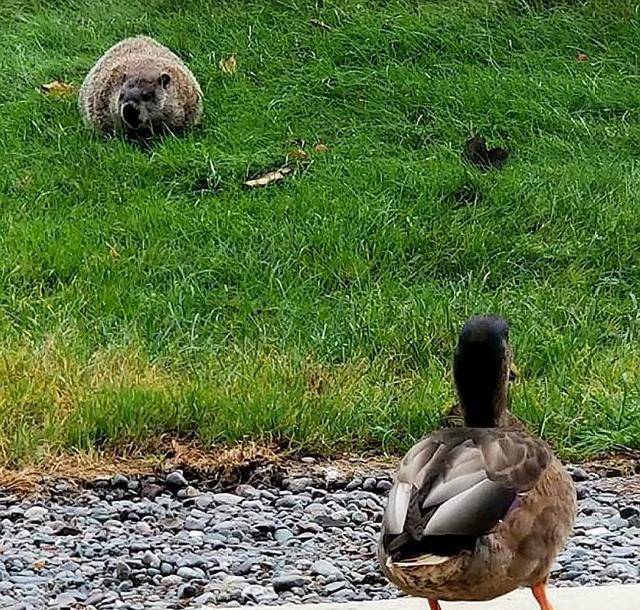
(317, 383)
(316, 23)
(229, 65)
(320, 148)
(477, 153)
(582, 57)
(112, 250)
(299, 154)
(269, 178)
(57, 89)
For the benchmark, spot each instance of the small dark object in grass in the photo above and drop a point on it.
(477, 153)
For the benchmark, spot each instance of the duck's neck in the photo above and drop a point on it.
(481, 377)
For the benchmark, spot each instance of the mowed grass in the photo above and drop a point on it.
(144, 295)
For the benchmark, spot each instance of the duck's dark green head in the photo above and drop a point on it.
(481, 369)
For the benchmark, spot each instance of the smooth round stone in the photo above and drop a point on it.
(192, 560)
(227, 499)
(122, 570)
(186, 591)
(369, 484)
(125, 586)
(195, 524)
(188, 492)
(119, 481)
(384, 485)
(322, 567)
(64, 600)
(166, 568)
(286, 582)
(299, 485)
(358, 517)
(204, 501)
(189, 573)
(287, 502)
(36, 513)
(176, 479)
(316, 509)
(283, 535)
(258, 594)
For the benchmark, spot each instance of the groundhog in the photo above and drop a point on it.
(139, 88)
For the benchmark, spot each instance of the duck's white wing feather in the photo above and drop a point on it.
(461, 482)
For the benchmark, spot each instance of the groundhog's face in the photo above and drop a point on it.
(142, 99)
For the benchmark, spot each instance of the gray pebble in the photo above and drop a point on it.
(122, 570)
(119, 481)
(176, 479)
(227, 499)
(304, 544)
(36, 513)
(189, 573)
(187, 591)
(283, 535)
(322, 567)
(286, 582)
(299, 485)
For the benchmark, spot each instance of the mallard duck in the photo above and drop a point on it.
(455, 415)
(477, 511)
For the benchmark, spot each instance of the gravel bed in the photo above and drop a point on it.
(173, 543)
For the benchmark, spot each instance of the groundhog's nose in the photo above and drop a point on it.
(131, 115)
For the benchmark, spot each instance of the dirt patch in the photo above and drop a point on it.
(81, 469)
(620, 464)
(627, 487)
(256, 464)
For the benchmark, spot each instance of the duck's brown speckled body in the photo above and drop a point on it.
(478, 511)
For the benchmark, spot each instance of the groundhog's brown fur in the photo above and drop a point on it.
(140, 88)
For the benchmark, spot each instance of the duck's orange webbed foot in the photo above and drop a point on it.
(434, 605)
(540, 593)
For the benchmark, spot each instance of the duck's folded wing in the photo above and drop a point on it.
(460, 483)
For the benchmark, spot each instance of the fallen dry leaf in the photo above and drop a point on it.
(112, 250)
(582, 57)
(269, 178)
(320, 24)
(321, 148)
(229, 65)
(57, 89)
(39, 564)
(299, 154)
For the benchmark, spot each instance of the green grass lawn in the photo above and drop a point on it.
(148, 294)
